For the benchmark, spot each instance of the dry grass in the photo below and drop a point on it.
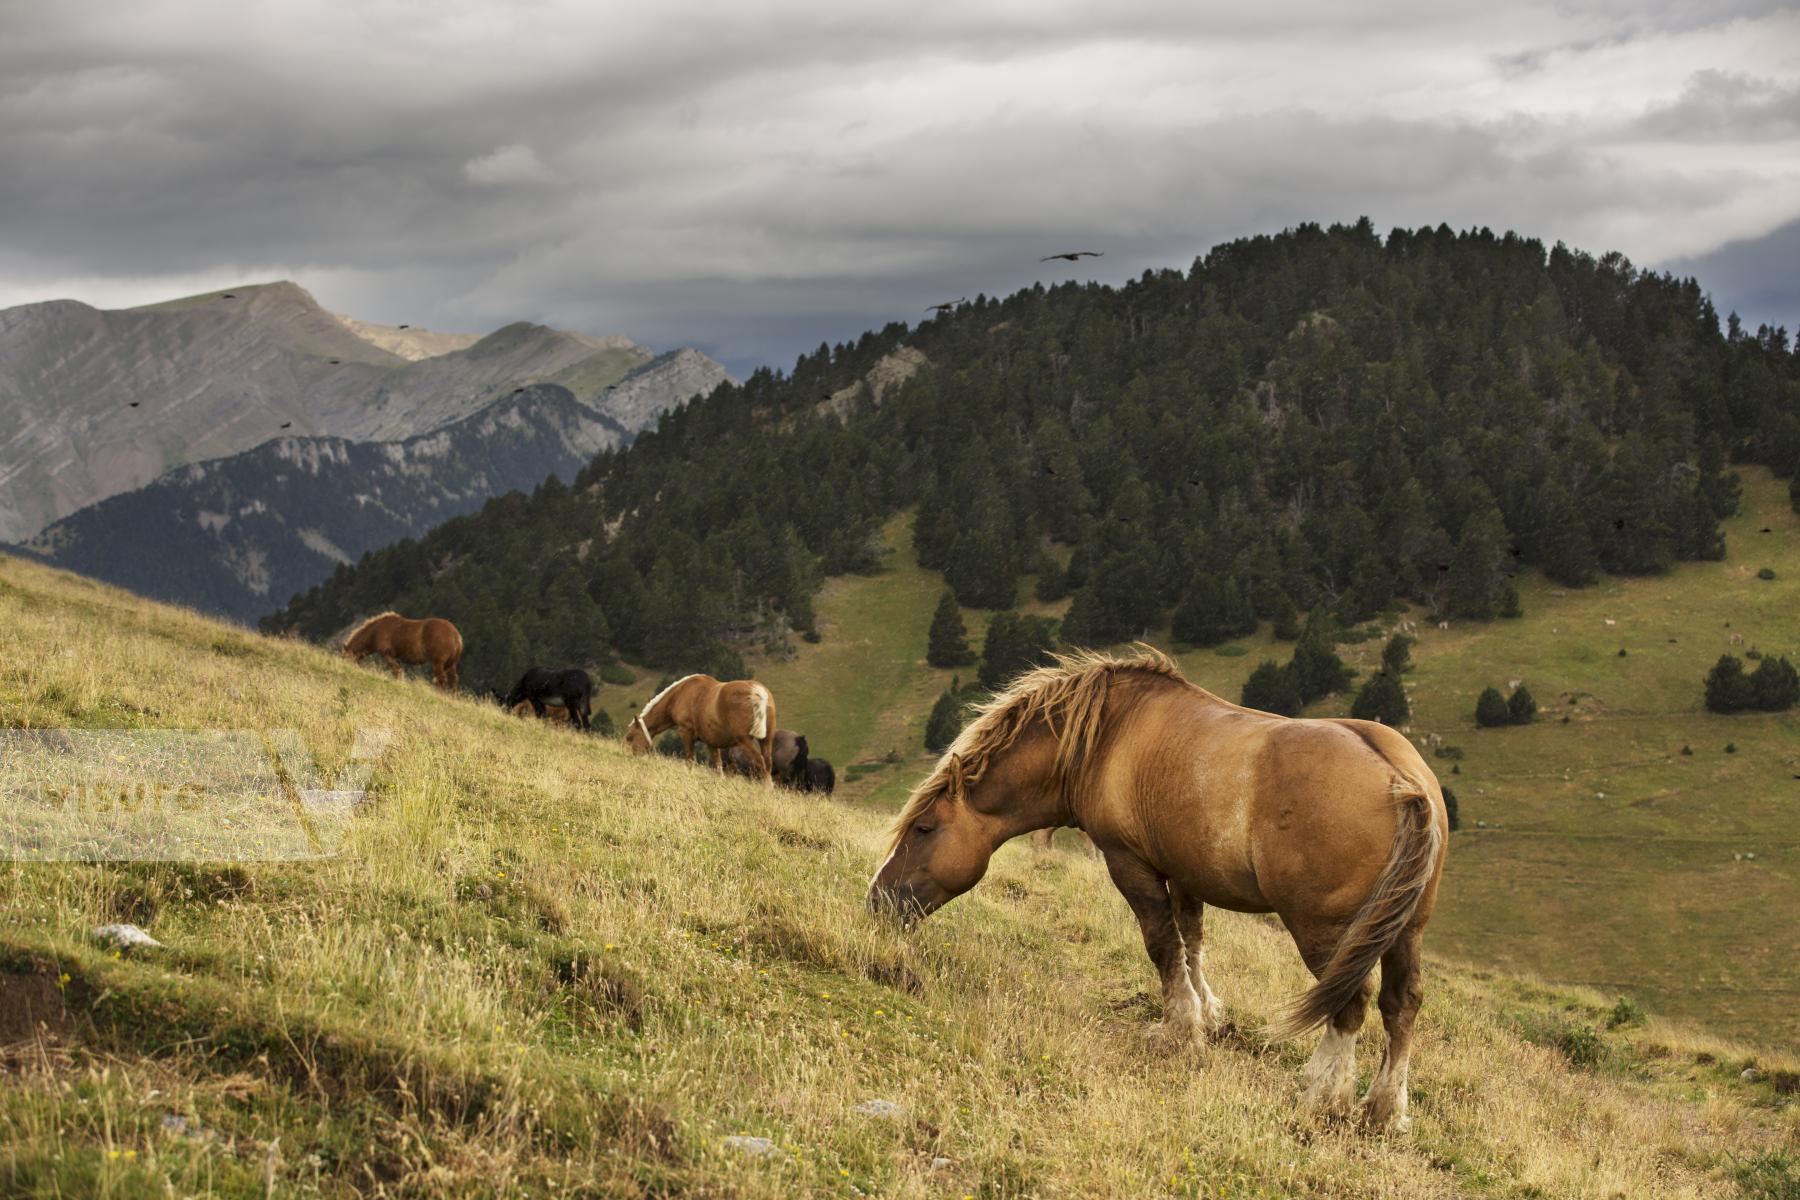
(539, 966)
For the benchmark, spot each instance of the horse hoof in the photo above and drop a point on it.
(1166, 1038)
(1379, 1114)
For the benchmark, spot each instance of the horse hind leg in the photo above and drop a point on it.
(1148, 894)
(1401, 991)
(1328, 1081)
(1190, 921)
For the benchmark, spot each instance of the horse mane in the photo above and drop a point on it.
(380, 616)
(1069, 695)
(644, 712)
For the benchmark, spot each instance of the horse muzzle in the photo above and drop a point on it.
(901, 903)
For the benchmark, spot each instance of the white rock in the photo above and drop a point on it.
(750, 1145)
(124, 936)
(880, 1108)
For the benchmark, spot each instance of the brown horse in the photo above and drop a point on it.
(740, 713)
(403, 641)
(1338, 826)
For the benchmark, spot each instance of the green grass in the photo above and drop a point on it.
(539, 966)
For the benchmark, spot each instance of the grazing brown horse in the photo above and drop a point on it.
(402, 641)
(1338, 826)
(788, 763)
(740, 713)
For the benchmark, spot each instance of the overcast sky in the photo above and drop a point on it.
(754, 178)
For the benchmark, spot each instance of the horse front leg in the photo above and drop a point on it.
(753, 754)
(394, 665)
(1190, 921)
(1147, 891)
(687, 744)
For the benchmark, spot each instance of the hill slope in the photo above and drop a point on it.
(238, 536)
(1591, 852)
(539, 965)
(216, 374)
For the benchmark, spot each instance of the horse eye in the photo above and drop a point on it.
(922, 828)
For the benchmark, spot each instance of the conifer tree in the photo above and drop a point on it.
(1520, 707)
(1382, 698)
(947, 644)
(1271, 689)
(1491, 709)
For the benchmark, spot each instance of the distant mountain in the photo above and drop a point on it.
(240, 535)
(94, 403)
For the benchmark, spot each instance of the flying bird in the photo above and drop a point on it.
(135, 403)
(287, 424)
(1074, 255)
(334, 362)
(405, 327)
(228, 295)
(946, 306)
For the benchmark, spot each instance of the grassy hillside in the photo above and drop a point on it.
(1592, 852)
(539, 966)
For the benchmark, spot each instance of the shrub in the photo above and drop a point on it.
(1450, 809)
(1520, 708)
(1774, 685)
(1688, 750)
(1728, 689)
(1731, 747)
(618, 673)
(1627, 1012)
(1491, 710)
(1382, 699)
(1316, 667)
(1766, 573)
(1271, 688)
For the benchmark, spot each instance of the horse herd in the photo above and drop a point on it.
(1337, 826)
(735, 719)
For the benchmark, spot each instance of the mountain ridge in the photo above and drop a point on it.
(94, 402)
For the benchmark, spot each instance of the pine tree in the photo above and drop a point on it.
(1271, 689)
(1474, 567)
(1396, 656)
(1774, 685)
(1213, 611)
(1014, 644)
(1382, 698)
(945, 721)
(1728, 689)
(1568, 554)
(1316, 669)
(948, 643)
(1520, 707)
(1450, 809)
(1491, 709)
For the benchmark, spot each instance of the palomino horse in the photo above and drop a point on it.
(1338, 826)
(740, 713)
(403, 641)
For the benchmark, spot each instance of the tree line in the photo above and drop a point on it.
(1322, 421)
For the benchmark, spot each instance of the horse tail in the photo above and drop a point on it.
(760, 726)
(766, 714)
(1411, 867)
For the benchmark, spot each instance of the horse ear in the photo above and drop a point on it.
(953, 772)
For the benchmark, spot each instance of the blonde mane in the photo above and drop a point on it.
(380, 616)
(1069, 696)
(644, 712)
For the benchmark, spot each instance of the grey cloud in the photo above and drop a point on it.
(755, 179)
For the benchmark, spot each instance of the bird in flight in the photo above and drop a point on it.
(406, 327)
(334, 362)
(1074, 255)
(946, 306)
(287, 424)
(228, 296)
(135, 403)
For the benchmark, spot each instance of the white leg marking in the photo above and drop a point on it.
(1385, 1105)
(1328, 1081)
(1212, 1009)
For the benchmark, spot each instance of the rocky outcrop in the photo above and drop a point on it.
(668, 381)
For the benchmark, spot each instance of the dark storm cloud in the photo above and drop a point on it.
(755, 178)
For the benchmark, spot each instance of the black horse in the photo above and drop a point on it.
(817, 776)
(569, 689)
